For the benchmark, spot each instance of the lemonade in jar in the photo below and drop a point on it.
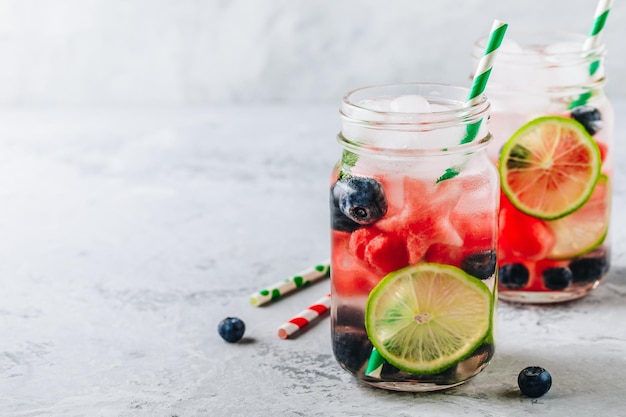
(413, 268)
(553, 138)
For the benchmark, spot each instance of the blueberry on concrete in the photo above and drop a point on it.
(361, 199)
(586, 270)
(557, 278)
(534, 381)
(513, 276)
(481, 264)
(231, 329)
(589, 117)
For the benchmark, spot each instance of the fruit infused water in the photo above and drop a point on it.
(413, 268)
(553, 138)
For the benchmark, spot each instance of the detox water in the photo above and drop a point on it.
(545, 77)
(413, 271)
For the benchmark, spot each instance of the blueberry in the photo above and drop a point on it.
(585, 270)
(557, 278)
(231, 329)
(513, 276)
(589, 117)
(352, 349)
(338, 220)
(361, 199)
(534, 381)
(481, 264)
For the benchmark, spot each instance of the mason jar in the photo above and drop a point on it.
(553, 140)
(414, 211)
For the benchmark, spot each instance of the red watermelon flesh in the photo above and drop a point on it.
(425, 217)
(421, 224)
(349, 277)
(522, 235)
(381, 251)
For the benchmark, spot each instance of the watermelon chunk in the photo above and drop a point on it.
(382, 251)
(349, 276)
(425, 217)
(523, 235)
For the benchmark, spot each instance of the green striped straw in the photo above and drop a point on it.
(375, 364)
(483, 71)
(300, 280)
(593, 41)
(481, 76)
(599, 20)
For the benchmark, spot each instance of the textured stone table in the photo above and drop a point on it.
(127, 235)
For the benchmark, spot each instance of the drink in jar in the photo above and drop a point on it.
(414, 228)
(553, 139)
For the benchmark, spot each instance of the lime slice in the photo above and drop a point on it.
(425, 318)
(549, 167)
(584, 229)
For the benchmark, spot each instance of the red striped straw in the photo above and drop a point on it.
(305, 317)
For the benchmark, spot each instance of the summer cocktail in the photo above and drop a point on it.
(413, 268)
(553, 133)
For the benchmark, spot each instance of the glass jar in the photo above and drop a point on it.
(561, 253)
(414, 228)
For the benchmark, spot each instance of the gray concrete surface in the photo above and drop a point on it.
(127, 235)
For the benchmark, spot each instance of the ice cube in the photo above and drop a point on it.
(562, 74)
(376, 104)
(563, 48)
(567, 76)
(509, 73)
(410, 104)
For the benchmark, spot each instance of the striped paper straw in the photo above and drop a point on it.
(483, 71)
(304, 318)
(300, 280)
(592, 42)
(599, 19)
(481, 76)
(375, 364)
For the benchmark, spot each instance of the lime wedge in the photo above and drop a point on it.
(584, 229)
(424, 319)
(549, 167)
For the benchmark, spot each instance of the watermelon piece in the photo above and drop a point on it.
(382, 251)
(349, 276)
(522, 235)
(425, 217)
(446, 254)
(478, 231)
(420, 224)
(604, 150)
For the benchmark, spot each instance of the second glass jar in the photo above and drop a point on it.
(553, 139)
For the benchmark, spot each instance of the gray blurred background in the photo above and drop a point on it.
(213, 52)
